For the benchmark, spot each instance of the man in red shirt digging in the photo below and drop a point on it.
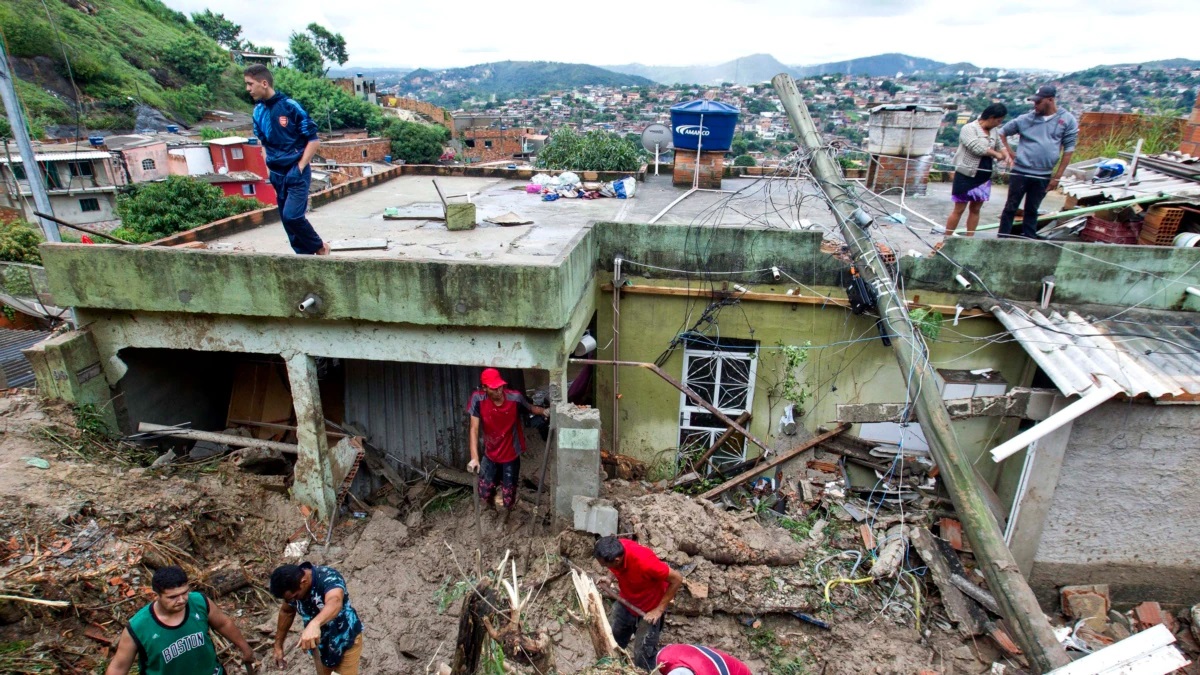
(646, 583)
(497, 409)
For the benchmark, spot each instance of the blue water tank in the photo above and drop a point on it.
(720, 121)
(387, 159)
(172, 129)
(96, 141)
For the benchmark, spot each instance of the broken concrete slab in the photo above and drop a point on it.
(597, 516)
(460, 217)
(1089, 603)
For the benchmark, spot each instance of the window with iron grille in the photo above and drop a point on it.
(89, 204)
(147, 165)
(79, 169)
(722, 372)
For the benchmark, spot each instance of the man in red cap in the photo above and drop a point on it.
(497, 409)
(697, 660)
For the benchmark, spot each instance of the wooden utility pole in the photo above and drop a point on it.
(1029, 625)
(33, 172)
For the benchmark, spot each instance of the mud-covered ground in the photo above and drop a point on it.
(88, 529)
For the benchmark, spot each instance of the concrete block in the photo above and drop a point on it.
(597, 516)
(460, 217)
(577, 457)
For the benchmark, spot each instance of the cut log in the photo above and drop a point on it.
(225, 579)
(471, 632)
(623, 466)
(595, 619)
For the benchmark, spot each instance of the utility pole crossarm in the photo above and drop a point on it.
(1019, 605)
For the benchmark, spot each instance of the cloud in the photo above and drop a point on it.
(1062, 36)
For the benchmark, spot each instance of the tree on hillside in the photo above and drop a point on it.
(310, 50)
(304, 55)
(415, 143)
(196, 59)
(744, 160)
(155, 210)
(217, 27)
(331, 45)
(327, 103)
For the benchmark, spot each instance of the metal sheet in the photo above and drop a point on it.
(414, 412)
(17, 370)
(1142, 357)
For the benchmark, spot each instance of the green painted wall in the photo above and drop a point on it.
(394, 291)
(846, 354)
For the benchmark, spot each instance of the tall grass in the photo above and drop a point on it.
(1160, 130)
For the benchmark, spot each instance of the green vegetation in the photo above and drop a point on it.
(221, 30)
(518, 79)
(152, 211)
(19, 241)
(928, 321)
(415, 143)
(311, 49)
(744, 160)
(450, 592)
(593, 151)
(128, 49)
(779, 661)
(1160, 131)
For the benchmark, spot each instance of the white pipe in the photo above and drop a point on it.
(1053, 422)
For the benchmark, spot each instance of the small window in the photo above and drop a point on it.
(147, 165)
(470, 143)
(79, 169)
(487, 144)
(247, 189)
(91, 204)
(364, 154)
(236, 153)
(19, 171)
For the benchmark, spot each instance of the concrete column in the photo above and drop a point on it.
(1043, 463)
(314, 470)
(578, 456)
(67, 367)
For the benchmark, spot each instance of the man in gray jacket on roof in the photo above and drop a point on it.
(1047, 141)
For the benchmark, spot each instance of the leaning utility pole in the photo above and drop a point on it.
(33, 173)
(1030, 628)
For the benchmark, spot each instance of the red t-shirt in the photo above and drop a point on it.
(699, 660)
(503, 435)
(643, 577)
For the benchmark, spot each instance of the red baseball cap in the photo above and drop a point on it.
(491, 379)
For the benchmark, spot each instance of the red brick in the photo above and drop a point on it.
(951, 531)
(1149, 614)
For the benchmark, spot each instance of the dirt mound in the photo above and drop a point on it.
(677, 526)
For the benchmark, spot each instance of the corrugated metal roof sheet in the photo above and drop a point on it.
(1147, 181)
(17, 370)
(1158, 360)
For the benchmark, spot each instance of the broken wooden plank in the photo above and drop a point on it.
(747, 475)
(742, 419)
(952, 598)
(227, 439)
(595, 618)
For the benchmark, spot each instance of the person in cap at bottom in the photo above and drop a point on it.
(698, 660)
(496, 410)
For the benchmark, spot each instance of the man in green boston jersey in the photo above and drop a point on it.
(170, 635)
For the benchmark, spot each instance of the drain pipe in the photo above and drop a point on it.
(615, 441)
(1054, 422)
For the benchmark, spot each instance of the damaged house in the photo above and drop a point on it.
(1096, 374)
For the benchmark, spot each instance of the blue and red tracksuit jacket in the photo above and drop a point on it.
(284, 130)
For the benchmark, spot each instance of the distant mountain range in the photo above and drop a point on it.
(516, 77)
(762, 67)
(1165, 63)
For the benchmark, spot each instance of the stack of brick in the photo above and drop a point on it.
(1191, 133)
(888, 172)
(712, 168)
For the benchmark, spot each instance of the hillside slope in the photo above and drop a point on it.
(123, 55)
(521, 77)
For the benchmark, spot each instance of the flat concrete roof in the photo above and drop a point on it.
(743, 202)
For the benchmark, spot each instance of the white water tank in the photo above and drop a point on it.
(903, 130)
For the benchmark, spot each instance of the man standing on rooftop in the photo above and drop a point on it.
(290, 138)
(1047, 141)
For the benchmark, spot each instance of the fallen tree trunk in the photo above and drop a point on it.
(595, 619)
(471, 632)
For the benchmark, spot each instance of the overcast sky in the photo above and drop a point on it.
(1061, 35)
